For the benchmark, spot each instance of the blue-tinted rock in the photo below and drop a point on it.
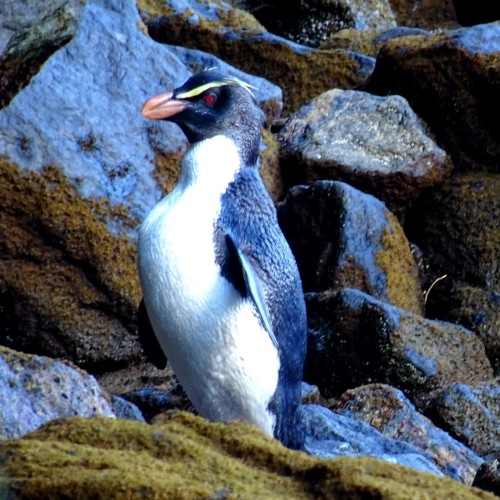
(342, 237)
(377, 144)
(36, 389)
(472, 414)
(330, 435)
(355, 339)
(391, 413)
(30, 32)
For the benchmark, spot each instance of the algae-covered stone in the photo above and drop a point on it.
(189, 458)
(36, 389)
(457, 229)
(343, 237)
(300, 71)
(367, 340)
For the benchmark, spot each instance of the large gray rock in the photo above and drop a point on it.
(36, 389)
(377, 144)
(452, 80)
(331, 435)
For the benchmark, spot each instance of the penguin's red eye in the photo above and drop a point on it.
(209, 99)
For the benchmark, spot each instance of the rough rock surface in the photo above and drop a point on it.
(457, 229)
(130, 459)
(300, 71)
(366, 340)
(472, 414)
(36, 389)
(388, 410)
(367, 42)
(452, 80)
(331, 435)
(310, 22)
(342, 237)
(424, 13)
(78, 177)
(488, 477)
(30, 32)
(376, 144)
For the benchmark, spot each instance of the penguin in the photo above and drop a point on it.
(221, 287)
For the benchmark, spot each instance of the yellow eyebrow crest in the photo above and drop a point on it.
(210, 85)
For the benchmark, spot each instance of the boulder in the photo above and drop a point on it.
(36, 389)
(390, 412)
(457, 230)
(355, 339)
(472, 414)
(376, 144)
(30, 32)
(237, 38)
(452, 81)
(342, 237)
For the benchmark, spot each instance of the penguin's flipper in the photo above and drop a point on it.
(148, 339)
(254, 288)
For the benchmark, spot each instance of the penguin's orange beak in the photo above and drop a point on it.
(162, 107)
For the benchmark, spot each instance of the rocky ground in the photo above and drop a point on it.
(382, 153)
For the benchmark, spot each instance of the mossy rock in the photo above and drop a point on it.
(187, 457)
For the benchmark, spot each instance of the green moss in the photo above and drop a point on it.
(62, 265)
(397, 263)
(187, 457)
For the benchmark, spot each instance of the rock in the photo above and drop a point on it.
(311, 22)
(478, 12)
(390, 412)
(367, 42)
(331, 435)
(342, 237)
(30, 32)
(80, 169)
(472, 414)
(488, 477)
(375, 144)
(153, 391)
(36, 389)
(369, 341)
(125, 409)
(457, 229)
(424, 13)
(238, 39)
(231, 461)
(452, 80)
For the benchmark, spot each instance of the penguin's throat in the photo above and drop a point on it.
(211, 164)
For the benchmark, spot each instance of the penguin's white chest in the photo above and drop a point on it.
(213, 337)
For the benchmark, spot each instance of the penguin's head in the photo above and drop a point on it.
(209, 104)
